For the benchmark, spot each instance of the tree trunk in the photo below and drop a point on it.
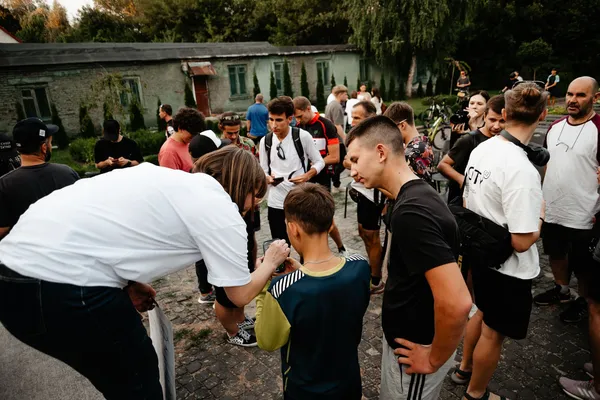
(411, 77)
(452, 79)
(534, 71)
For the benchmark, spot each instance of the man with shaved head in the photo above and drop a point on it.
(570, 188)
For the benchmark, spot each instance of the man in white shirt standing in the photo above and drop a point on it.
(503, 186)
(572, 201)
(283, 157)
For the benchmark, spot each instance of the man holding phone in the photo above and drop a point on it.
(283, 157)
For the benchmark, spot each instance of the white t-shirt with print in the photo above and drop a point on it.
(290, 167)
(570, 184)
(135, 224)
(503, 186)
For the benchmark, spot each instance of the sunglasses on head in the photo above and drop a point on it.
(541, 85)
(227, 118)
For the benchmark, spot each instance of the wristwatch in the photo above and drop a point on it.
(128, 164)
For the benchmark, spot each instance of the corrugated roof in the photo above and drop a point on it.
(29, 54)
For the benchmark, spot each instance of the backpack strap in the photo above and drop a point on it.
(299, 148)
(268, 145)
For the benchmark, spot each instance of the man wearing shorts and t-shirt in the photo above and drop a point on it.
(328, 143)
(572, 200)
(426, 302)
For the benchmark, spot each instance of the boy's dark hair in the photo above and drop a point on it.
(375, 130)
(368, 106)
(190, 120)
(281, 105)
(496, 104)
(482, 93)
(399, 111)
(167, 109)
(311, 206)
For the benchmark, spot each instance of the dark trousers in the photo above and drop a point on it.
(202, 273)
(95, 330)
(277, 224)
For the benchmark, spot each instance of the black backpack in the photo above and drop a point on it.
(297, 145)
(483, 243)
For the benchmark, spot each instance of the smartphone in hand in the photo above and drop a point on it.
(266, 245)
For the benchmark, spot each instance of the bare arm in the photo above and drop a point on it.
(248, 124)
(523, 241)
(4, 231)
(445, 167)
(340, 131)
(333, 156)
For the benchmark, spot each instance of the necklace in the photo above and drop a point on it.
(320, 261)
(576, 139)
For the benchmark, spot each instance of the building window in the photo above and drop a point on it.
(132, 91)
(237, 80)
(323, 72)
(35, 103)
(364, 71)
(278, 72)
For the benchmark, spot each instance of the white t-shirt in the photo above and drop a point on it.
(290, 167)
(349, 105)
(377, 102)
(571, 184)
(360, 188)
(502, 185)
(330, 98)
(133, 224)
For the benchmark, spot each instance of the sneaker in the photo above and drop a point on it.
(207, 298)
(378, 289)
(575, 312)
(582, 390)
(552, 296)
(589, 369)
(246, 324)
(243, 338)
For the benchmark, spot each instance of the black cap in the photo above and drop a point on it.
(111, 130)
(205, 143)
(7, 147)
(31, 132)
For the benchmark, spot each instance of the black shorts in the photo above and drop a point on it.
(505, 301)
(368, 213)
(223, 299)
(323, 179)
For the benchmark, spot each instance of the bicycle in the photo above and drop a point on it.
(439, 133)
(434, 111)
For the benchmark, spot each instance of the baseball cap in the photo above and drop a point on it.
(7, 147)
(111, 129)
(206, 142)
(31, 132)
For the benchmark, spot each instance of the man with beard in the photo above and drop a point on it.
(454, 163)
(572, 200)
(36, 177)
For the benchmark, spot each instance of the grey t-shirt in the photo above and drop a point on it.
(335, 113)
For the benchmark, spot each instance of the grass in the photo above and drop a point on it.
(64, 157)
(194, 339)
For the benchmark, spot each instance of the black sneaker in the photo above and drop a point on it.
(552, 296)
(576, 311)
(243, 338)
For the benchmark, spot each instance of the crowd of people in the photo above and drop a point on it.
(77, 256)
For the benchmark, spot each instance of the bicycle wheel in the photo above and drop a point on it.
(441, 138)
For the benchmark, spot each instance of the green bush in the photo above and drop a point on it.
(429, 90)
(136, 117)
(450, 100)
(320, 94)
(148, 141)
(86, 126)
(558, 110)
(152, 159)
(82, 150)
(60, 138)
(304, 90)
(272, 86)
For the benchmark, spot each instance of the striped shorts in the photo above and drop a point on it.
(396, 384)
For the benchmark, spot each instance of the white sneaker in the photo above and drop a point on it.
(581, 390)
(589, 369)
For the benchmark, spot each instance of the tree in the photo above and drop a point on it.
(256, 89)
(60, 137)
(136, 118)
(272, 86)
(534, 54)
(86, 126)
(95, 25)
(333, 84)
(392, 91)
(57, 23)
(122, 8)
(189, 96)
(320, 93)
(420, 91)
(397, 31)
(106, 113)
(287, 80)
(19, 111)
(160, 123)
(304, 90)
(401, 90)
(34, 27)
(429, 90)
(456, 64)
(358, 84)
(382, 88)
(345, 81)
(9, 21)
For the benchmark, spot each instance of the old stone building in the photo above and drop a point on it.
(36, 76)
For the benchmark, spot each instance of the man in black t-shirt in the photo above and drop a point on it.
(426, 302)
(115, 151)
(453, 165)
(165, 112)
(35, 178)
(326, 139)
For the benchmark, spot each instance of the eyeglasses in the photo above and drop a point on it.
(398, 123)
(233, 117)
(280, 152)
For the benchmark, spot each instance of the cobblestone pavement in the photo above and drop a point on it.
(209, 368)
